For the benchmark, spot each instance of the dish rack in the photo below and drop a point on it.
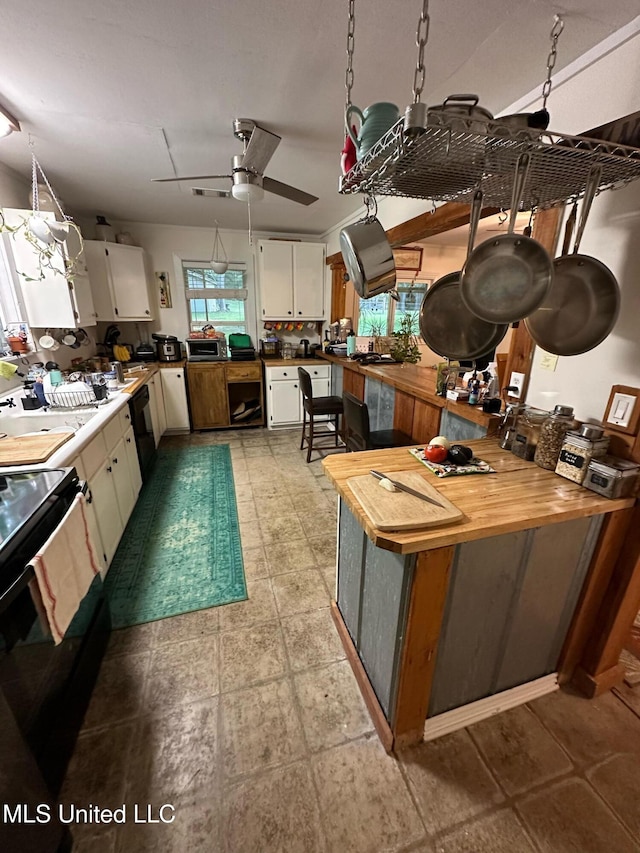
(66, 398)
(449, 160)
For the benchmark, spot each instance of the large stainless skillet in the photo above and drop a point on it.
(446, 324)
(582, 305)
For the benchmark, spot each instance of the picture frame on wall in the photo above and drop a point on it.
(623, 409)
(408, 258)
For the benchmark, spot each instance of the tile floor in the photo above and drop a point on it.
(248, 720)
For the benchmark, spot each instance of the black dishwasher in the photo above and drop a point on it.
(140, 408)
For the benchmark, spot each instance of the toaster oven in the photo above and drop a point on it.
(207, 349)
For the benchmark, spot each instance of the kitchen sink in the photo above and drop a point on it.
(39, 421)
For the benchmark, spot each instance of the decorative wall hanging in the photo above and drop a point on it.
(164, 289)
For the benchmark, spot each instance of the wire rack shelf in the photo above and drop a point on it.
(451, 159)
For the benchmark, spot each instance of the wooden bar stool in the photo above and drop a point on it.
(313, 406)
(357, 434)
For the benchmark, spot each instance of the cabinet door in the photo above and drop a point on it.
(284, 403)
(107, 511)
(308, 281)
(91, 516)
(208, 396)
(175, 399)
(125, 496)
(276, 279)
(84, 312)
(132, 460)
(95, 252)
(128, 273)
(156, 405)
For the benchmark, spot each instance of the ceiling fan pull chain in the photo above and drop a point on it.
(415, 115)
(348, 81)
(556, 30)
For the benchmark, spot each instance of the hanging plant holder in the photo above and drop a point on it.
(219, 260)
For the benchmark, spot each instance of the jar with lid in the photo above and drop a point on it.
(552, 435)
(613, 477)
(578, 449)
(527, 432)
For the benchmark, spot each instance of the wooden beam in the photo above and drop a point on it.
(338, 291)
(370, 699)
(418, 662)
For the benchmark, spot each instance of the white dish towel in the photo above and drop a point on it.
(65, 567)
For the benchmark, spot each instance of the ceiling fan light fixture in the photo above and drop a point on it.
(8, 123)
(247, 192)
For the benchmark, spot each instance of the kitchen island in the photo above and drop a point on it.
(447, 625)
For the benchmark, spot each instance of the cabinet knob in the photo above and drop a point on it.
(147, 311)
(115, 310)
(89, 497)
(299, 312)
(295, 386)
(127, 417)
(115, 460)
(178, 376)
(315, 372)
(289, 312)
(109, 468)
(128, 441)
(285, 374)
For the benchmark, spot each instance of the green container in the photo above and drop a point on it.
(237, 340)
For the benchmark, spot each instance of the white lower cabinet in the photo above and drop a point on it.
(110, 465)
(174, 391)
(156, 405)
(284, 399)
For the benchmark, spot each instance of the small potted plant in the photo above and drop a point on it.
(405, 347)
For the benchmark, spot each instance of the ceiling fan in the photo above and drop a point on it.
(247, 169)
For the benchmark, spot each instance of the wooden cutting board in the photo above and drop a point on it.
(399, 510)
(30, 449)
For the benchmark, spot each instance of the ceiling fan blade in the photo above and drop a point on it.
(205, 191)
(260, 150)
(190, 178)
(286, 191)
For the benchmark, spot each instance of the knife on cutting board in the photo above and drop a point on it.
(404, 488)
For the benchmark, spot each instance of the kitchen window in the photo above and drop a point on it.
(382, 315)
(216, 299)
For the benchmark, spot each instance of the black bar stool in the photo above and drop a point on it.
(311, 406)
(357, 434)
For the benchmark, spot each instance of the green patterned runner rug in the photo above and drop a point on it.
(181, 549)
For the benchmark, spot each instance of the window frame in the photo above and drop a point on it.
(419, 285)
(207, 293)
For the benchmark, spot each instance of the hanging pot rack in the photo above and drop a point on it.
(425, 155)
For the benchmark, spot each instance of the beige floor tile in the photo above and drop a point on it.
(329, 575)
(97, 770)
(247, 512)
(292, 556)
(241, 477)
(501, 832)
(119, 691)
(275, 812)
(244, 493)
(449, 781)
(298, 592)
(364, 802)
(250, 655)
(137, 638)
(286, 528)
(250, 534)
(255, 562)
(332, 707)
(311, 639)
(259, 607)
(318, 523)
(260, 728)
(274, 506)
(324, 549)
(519, 750)
(196, 829)
(255, 451)
(588, 729)
(617, 780)
(94, 838)
(187, 626)
(180, 673)
(176, 754)
(570, 816)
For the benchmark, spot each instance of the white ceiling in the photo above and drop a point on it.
(114, 94)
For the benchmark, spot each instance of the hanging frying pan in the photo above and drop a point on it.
(446, 324)
(582, 305)
(508, 277)
(367, 255)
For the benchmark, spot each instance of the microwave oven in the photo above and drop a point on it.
(207, 349)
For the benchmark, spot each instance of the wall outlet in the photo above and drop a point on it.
(517, 382)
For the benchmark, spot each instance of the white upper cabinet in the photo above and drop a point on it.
(119, 281)
(51, 301)
(291, 280)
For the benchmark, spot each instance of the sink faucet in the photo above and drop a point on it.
(8, 403)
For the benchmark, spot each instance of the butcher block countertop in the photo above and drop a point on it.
(520, 495)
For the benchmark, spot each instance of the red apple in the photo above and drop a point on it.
(435, 453)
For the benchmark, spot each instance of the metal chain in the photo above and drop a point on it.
(348, 80)
(422, 37)
(556, 29)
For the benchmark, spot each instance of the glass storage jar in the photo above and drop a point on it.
(578, 449)
(552, 435)
(527, 431)
(613, 477)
